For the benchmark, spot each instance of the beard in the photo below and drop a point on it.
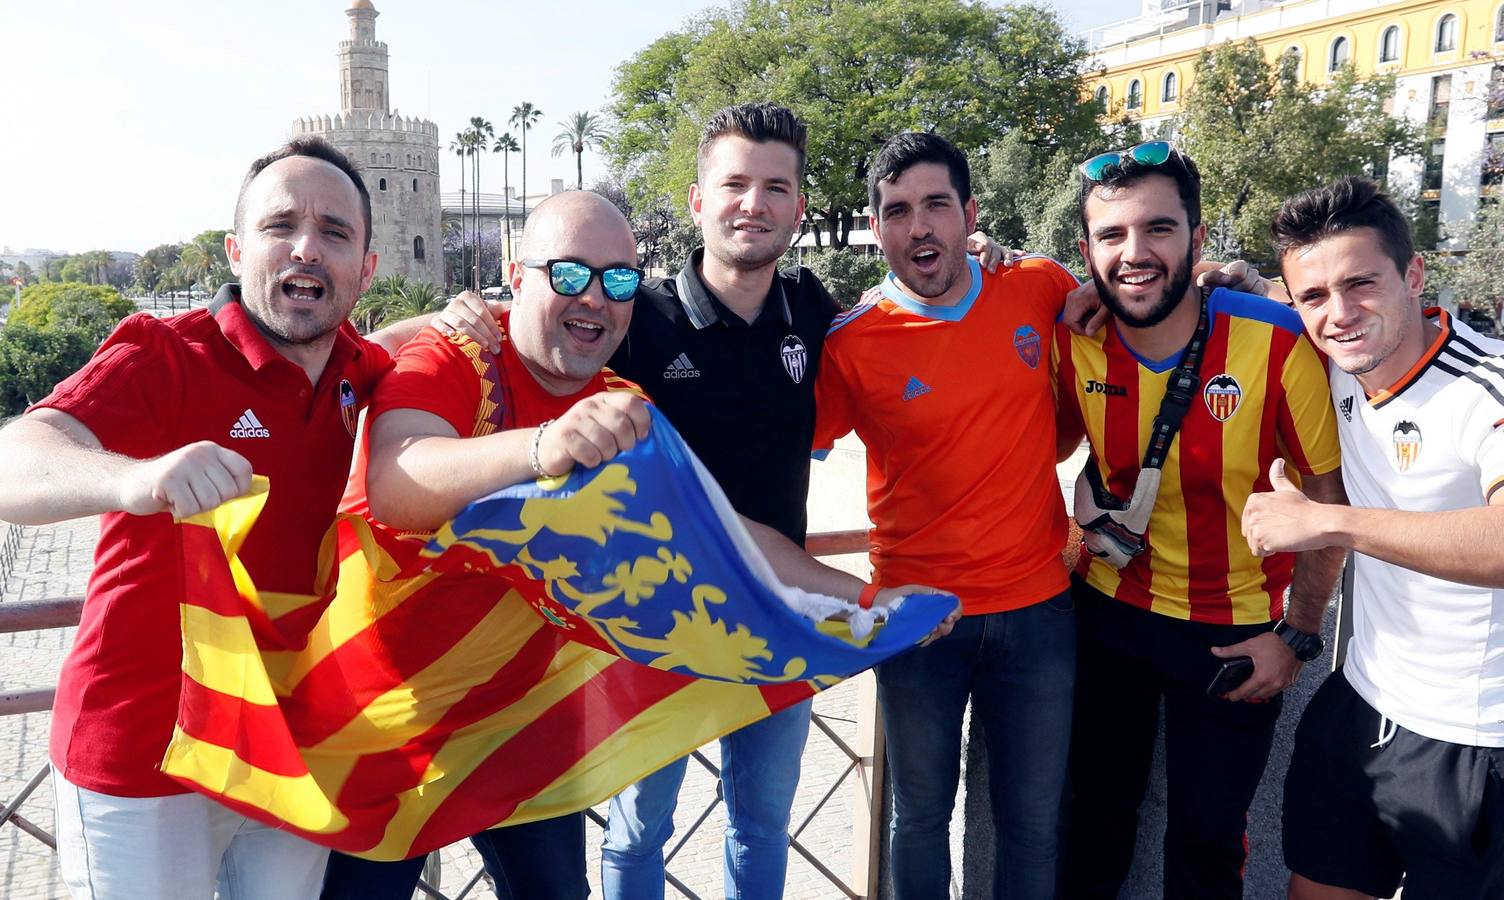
(745, 258)
(1174, 292)
(295, 326)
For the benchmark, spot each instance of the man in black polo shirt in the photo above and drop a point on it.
(728, 351)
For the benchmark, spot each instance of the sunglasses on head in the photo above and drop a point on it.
(570, 277)
(1149, 153)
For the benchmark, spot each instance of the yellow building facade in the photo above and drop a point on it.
(1446, 56)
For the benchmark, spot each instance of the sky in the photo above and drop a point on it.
(127, 125)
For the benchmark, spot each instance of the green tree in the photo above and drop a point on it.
(154, 264)
(25, 273)
(524, 116)
(480, 133)
(202, 261)
(33, 360)
(844, 272)
(92, 308)
(393, 298)
(1260, 135)
(460, 147)
(1474, 278)
(857, 72)
(579, 132)
(506, 145)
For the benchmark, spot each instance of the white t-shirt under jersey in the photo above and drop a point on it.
(1428, 653)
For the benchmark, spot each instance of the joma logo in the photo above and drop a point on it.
(1111, 390)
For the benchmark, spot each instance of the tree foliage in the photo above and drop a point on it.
(1474, 278)
(92, 308)
(857, 72)
(33, 360)
(394, 298)
(154, 265)
(844, 273)
(1260, 135)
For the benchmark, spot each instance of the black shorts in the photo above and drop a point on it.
(1360, 817)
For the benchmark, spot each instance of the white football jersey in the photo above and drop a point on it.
(1428, 653)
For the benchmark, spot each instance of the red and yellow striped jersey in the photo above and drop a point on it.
(1263, 394)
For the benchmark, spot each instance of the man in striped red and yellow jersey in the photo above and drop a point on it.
(1161, 624)
(438, 441)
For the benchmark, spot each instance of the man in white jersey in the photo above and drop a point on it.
(1398, 769)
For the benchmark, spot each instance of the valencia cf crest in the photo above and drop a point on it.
(795, 359)
(1223, 394)
(1026, 342)
(1406, 444)
(348, 411)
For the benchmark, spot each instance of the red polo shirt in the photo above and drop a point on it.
(153, 386)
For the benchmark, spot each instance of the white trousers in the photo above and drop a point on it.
(181, 847)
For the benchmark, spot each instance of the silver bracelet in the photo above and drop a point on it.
(532, 450)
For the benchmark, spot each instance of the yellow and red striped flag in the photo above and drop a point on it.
(551, 645)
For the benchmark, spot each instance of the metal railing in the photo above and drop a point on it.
(865, 759)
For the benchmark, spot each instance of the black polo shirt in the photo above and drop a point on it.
(743, 395)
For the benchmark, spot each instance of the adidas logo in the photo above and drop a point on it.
(915, 388)
(681, 367)
(248, 426)
(1347, 408)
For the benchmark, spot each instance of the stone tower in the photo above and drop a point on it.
(398, 156)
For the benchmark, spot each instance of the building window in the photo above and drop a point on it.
(373, 159)
(1389, 45)
(1493, 159)
(1441, 102)
(1430, 176)
(1499, 25)
(1135, 94)
(381, 184)
(1341, 50)
(1496, 93)
(1171, 91)
(388, 159)
(1102, 96)
(420, 160)
(1446, 33)
(415, 185)
(418, 248)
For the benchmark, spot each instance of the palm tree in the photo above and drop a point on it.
(506, 145)
(480, 133)
(202, 262)
(524, 115)
(459, 146)
(582, 131)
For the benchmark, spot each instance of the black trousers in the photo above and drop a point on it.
(1128, 660)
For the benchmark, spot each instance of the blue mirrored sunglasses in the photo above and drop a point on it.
(571, 278)
(1149, 153)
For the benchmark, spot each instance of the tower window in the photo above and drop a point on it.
(418, 247)
(415, 185)
(381, 185)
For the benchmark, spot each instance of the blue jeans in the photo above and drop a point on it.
(1019, 668)
(759, 771)
(540, 859)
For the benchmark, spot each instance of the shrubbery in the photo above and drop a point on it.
(52, 331)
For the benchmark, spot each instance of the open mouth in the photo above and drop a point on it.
(926, 260)
(302, 288)
(1138, 278)
(584, 331)
(751, 228)
(1348, 337)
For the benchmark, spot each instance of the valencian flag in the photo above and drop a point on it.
(551, 645)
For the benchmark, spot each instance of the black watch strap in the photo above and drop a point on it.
(1305, 645)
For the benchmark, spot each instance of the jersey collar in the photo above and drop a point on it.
(955, 313)
(1444, 322)
(704, 309)
(246, 338)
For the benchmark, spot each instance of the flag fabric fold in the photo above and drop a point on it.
(552, 644)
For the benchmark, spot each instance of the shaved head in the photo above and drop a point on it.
(569, 211)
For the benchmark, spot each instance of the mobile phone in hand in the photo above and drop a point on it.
(1233, 673)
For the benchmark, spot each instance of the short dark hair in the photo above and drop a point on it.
(1343, 205)
(760, 122)
(904, 151)
(316, 148)
(1178, 167)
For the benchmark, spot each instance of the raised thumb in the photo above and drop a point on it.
(1277, 478)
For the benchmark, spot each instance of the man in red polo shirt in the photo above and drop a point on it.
(170, 418)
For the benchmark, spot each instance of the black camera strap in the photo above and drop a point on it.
(1180, 393)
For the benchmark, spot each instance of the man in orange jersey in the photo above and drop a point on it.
(945, 377)
(437, 443)
(1172, 595)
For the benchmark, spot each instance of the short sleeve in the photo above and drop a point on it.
(835, 401)
(1490, 455)
(370, 367)
(1058, 283)
(130, 392)
(435, 374)
(1307, 426)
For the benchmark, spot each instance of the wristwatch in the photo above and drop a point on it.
(1307, 646)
